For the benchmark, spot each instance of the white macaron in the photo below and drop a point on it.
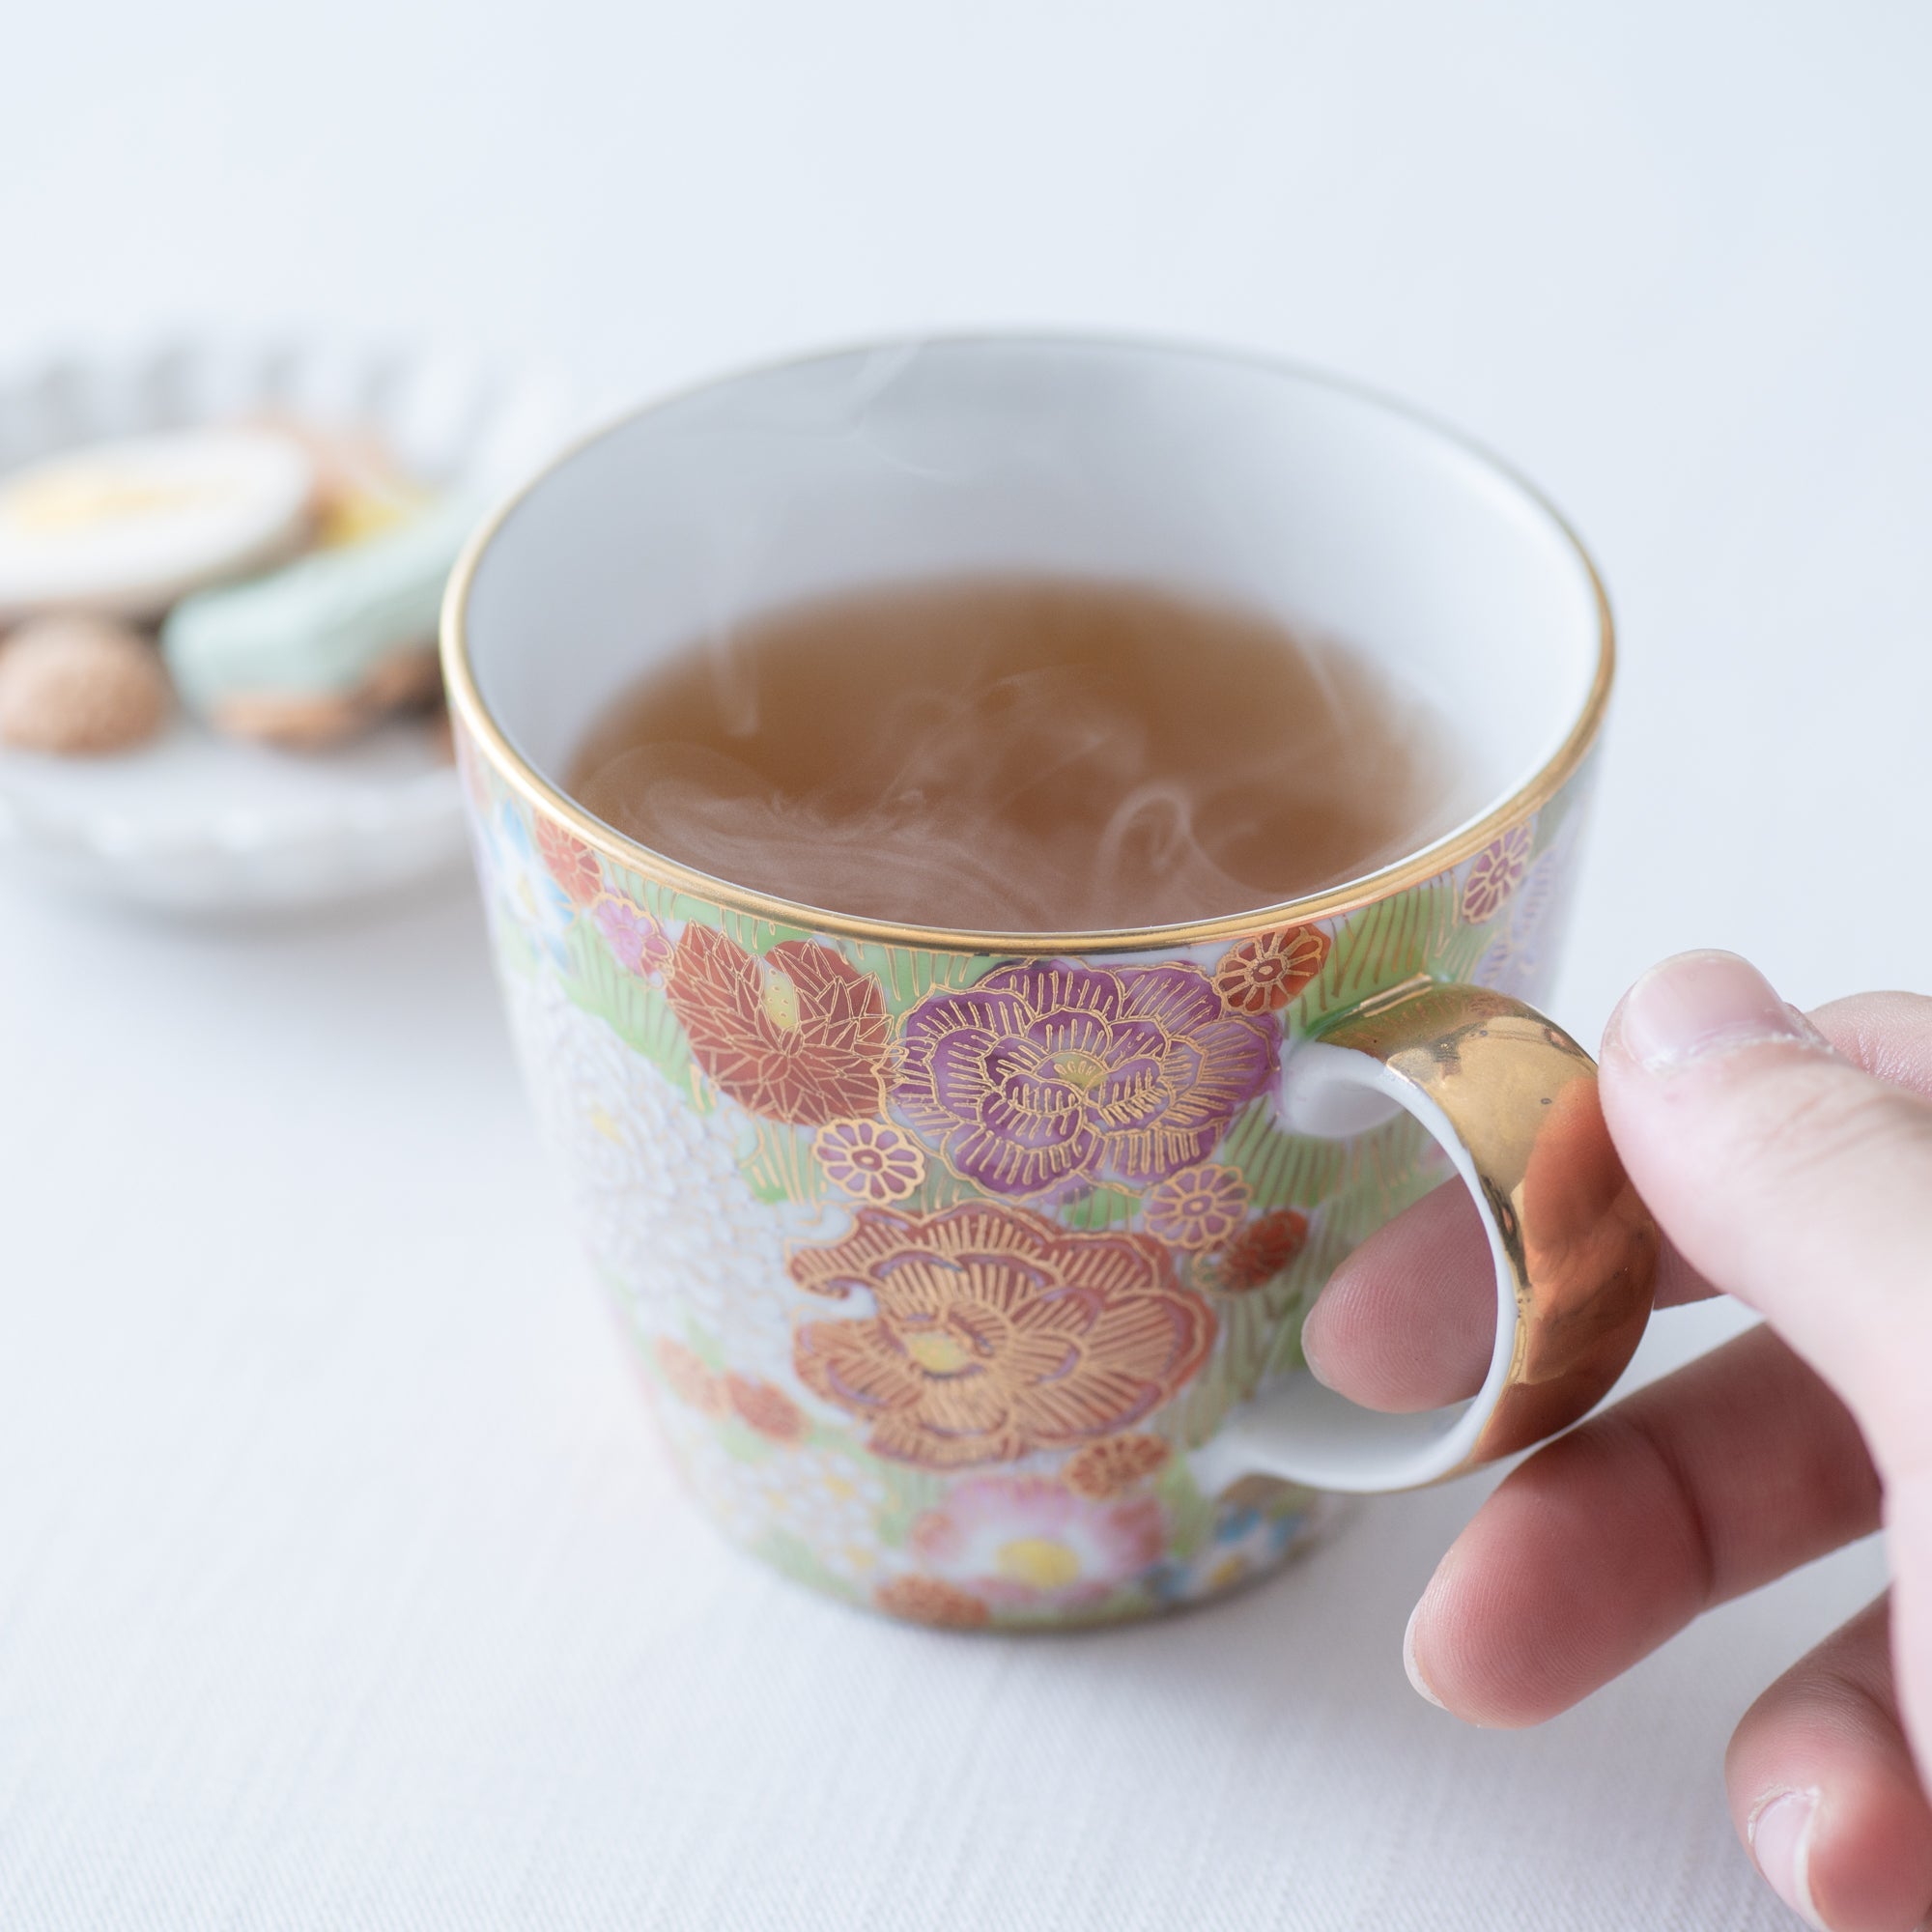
(128, 528)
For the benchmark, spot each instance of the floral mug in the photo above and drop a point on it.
(966, 1270)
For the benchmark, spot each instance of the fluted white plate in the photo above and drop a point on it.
(198, 822)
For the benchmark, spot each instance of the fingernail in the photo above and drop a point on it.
(1414, 1669)
(1311, 1357)
(1779, 1833)
(1702, 1004)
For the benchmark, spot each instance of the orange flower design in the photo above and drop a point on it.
(571, 863)
(797, 1035)
(871, 1160)
(996, 1333)
(925, 1600)
(1198, 1207)
(1109, 1469)
(768, 1409)
(688, 1379)
(1263, 974)
(1495, 875)
(1259, 1252)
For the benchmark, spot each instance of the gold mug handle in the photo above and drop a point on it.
(1512, 1099)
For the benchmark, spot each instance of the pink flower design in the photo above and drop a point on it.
(634, 938)
(1198, 1207)
(870, 1160)
(1026, 1543)
(1495, 875)
(1046, 1074)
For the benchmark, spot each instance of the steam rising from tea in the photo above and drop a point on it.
(1022, 755)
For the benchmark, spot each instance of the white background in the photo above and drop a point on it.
(340, 1585)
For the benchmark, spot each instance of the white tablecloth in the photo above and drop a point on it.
(340, 1584)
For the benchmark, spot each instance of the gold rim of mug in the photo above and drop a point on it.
(1535, 791)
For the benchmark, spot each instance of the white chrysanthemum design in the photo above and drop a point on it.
(661, 1204)
(828, 1501)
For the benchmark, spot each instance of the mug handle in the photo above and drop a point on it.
(1512, 1099)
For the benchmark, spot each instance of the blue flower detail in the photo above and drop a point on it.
(523, 890)
(1235, 1523)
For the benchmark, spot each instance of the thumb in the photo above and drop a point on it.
(1801, 1183)
(1787, 1177)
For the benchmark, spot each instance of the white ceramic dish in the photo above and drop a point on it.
(196, 822)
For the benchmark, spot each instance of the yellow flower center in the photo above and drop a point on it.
(604, 1124)
(1039, 1562)
(1229, 1570)
(1083, 1070)
(939, 1352)
(781, 1002)
(60, 503)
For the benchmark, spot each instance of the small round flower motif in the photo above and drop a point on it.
(766, 1408)
(569, 861)
(1198, 1207)
(870, 1160)
(1495, 875)
(1109, 1469)
(688, 1379)
(925, 1600)
(1259, 1252)
(1263, 974)
(637, 941)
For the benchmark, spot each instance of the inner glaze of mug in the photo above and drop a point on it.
(1245, 482)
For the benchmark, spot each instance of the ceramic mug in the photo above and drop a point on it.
(975, 1363)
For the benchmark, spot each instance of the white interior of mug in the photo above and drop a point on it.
(1242, 481)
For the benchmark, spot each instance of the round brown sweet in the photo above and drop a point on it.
(80, 685)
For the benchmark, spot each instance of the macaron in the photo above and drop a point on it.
(127, 528)
(360, 490)
(315, 650)
(81, 684)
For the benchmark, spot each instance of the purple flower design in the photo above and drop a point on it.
(1046, 1076)
(636, 939)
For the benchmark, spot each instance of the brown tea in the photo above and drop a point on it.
(1022, 755)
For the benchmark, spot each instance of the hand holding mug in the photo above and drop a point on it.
(1789, 1163)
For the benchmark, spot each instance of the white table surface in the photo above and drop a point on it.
(340, 1584)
